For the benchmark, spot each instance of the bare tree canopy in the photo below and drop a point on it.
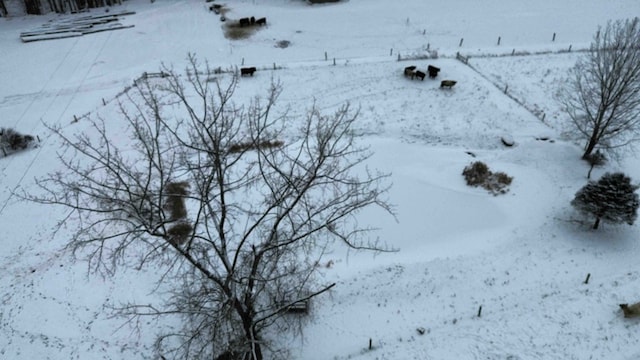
(603, 96)
(237, 202)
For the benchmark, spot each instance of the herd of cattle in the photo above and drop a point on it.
(252, 21)
(413, 72)
(248, 21)
(410, 72)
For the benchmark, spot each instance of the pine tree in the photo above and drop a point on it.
(611, 199)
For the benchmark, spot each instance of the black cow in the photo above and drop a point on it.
(245, 22)
(252, 20)
(261, 21)
(247, 71)
(447, 83)
(433, 71)
(420, 74)
(410, 71)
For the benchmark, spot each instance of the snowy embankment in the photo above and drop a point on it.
(521, 256)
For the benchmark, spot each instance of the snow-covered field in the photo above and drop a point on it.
(521, 256)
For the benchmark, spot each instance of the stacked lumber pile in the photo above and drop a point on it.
(76, 26)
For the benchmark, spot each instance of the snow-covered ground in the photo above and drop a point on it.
(521, 256)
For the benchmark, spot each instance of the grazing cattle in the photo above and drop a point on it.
(420, 74)
(433, 71)
(261, 21)
(252, 20)
(409, 71)
(215, 7)
(630, 310)
(244, 22)
(247, 71)
(447, 84)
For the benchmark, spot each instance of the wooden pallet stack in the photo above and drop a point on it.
(76, 26)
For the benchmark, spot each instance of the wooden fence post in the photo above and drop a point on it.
(461, 41)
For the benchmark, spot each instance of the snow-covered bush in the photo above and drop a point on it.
(611, 199)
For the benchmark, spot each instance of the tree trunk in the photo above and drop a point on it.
(3, 9)
(596, 224)
(593, 141)
(255, 350)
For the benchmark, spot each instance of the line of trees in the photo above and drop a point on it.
(39, 7)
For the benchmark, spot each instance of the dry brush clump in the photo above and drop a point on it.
(478, 174)
(245, 146)
(234, 31)
(11, 141)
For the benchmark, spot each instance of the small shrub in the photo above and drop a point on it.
(11, 140)
(502, 178)
(478, 174)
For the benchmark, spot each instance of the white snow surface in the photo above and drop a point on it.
(522, 256)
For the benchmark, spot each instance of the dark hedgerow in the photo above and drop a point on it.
(478, 174)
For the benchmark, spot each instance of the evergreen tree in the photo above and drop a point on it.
(611, 199)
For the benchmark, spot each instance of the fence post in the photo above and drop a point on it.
(104, 103)
(506, 87)
(391, 52)
(461, 41)
(398, 56)
(242, 62)
(334, 61)
(513, 52)
(554, 37)
(499, 38)
(570, 48)
(326, 57)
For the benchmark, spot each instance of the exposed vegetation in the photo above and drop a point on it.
(478, 174)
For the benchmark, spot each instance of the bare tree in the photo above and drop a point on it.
(236, 202)
(603, 96)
